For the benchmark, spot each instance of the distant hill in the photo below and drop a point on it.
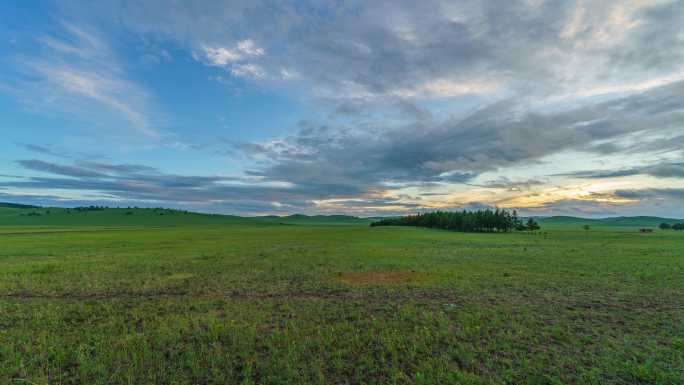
(27, 215)
(16, 206)
(12, 214)
(49, 216)
(300, 219)
(624, 222)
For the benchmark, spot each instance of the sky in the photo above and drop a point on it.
(345, 107)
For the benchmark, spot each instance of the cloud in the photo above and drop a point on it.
(666, 170)
(249, 70)
(492, 138)
(221, 56)
(116, 183)
(78, 73)
(44, 150)
(110, 91)
(42, 166)
(33, 199)
(575, 207)
(660, 170)
(511, 185)
(431, 48)
(404, 95)
(652, 193)
(235, 59)
(249, 48)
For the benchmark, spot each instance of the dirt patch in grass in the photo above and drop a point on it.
(381, 277)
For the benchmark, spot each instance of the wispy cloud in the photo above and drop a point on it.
(43, 150)
(111, 182)
(79, 70)
(660, 170)
(405, 100)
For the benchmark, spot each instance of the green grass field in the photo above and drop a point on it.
(182, 298)
(619, 223)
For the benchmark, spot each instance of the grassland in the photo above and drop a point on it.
(227, 300)
(12, 216)
(617, 223)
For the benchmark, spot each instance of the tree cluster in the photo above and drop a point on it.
(90, 208)
(467, 221)
(676, 226)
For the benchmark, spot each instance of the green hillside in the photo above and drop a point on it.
(16, 206)
(24, 215)
(616, 222)
(299, 219)
(10, 216)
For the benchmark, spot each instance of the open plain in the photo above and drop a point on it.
(254, 301)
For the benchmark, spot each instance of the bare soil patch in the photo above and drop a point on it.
(381, 277)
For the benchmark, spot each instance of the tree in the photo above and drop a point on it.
(488, 220)
(586, 227)
(532, 225)
(517, 223)
(678, 226)
(665, 226)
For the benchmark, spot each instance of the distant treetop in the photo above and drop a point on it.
(467, 221)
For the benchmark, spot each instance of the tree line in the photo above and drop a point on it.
(484, 221)
(676, 226)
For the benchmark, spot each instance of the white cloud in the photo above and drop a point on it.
(249, 48)
(580, 81)
(220, 56)
(78, 72)
(576, 21)
(234, 58)
(445, 88)
(288, 74)
(111, 92)
(248, 70)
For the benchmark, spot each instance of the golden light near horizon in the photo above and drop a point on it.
(425, 108)
(599, 191)
(341, 192)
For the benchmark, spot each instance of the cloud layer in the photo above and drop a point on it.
(415, 105)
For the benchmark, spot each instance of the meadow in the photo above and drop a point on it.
(193, 299)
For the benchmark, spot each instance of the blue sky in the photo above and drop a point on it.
(366, 108)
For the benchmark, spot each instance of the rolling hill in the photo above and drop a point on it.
(613, 222)
(25, 215)
(299, 219)
(12, 214)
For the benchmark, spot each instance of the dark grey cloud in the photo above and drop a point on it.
(666, 170)
(457, 150)
(652, 193)
(652, 46)
(599, 174)
(142, 185)
(53, 168)
(536, 74)
(348, 163)
(661, 170)
(329, 162)
(347, 49)
(511, 185)
(118, 168)
(576, 207)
